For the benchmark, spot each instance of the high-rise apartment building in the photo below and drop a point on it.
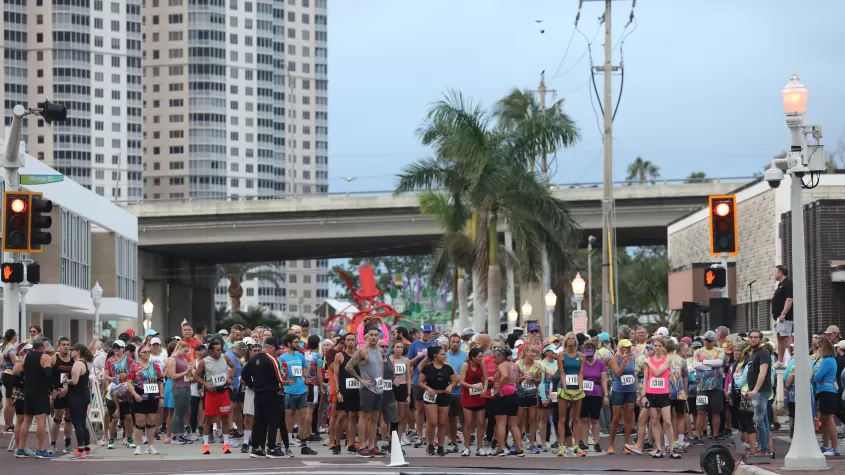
(85, 54)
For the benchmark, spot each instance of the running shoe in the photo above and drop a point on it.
(441, 451)
(244, 448)
(633, 449)
(43, 454)
(533, 449)
(151, 450)
(519, 453)
(597, 448)
(579, 452)
(206, 450)
(582, 445)
(465, 453)
(137, 451)
(657, 455)
(305, 450)
(364, 453)
(110, 444)
(674, 455)
(610, 450)
(831, 452)
(226, 449)
(21, 454)
(130, 443)
(375, 453)
(480, 453)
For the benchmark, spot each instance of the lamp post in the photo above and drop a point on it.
(513, 315)
(97, 299)
(803, 452)
(526, 310)
(148, 314)
(578, 287)
(551, 302)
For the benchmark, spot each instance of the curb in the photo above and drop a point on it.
(745, 469)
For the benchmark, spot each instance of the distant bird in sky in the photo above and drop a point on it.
(538, 21)
(350, 179)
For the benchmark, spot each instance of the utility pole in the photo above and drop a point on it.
(544, 177)
(608, 225)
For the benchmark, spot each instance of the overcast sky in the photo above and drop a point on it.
(702, 78)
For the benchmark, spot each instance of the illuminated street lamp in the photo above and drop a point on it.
(148, 314)
(551, 302)
(513, 315)
(578, 287)
(526, 309)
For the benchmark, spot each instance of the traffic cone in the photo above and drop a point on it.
(397, 458)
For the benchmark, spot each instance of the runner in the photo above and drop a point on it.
(18, 398)
(261, 374)
(11, 338)
(368, 361)
(436, 381)
(570, 396)
(236, 352)
(623, 393)
(292, 364)
(472, 380)
(348, 396)
(314, 384)
(506, 403)
(678, 378)
(181, 373)
(530, 375)
(79, 396)
(455, 357)
(416, 353)
(548, 407)
(214, 374)
(62, 364)
(390, 410)
(401, 387)
(710, 399)
(116, 369)
(146, 390)
(595, 389)
(38, 386)
(657, 399)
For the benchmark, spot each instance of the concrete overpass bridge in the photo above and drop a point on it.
(359, 224)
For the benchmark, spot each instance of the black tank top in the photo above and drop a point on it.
(342, 374)
(80, 389)
(36, 382)
(60, 368)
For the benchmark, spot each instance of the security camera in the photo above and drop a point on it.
(774, 176)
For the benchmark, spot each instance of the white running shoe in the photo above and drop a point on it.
(137, 450)
(405, 440)
(151, 450)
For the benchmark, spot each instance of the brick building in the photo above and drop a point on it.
(763, 215)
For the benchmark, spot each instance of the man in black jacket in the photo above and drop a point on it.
(261, 374)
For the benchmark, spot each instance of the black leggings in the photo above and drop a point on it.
(78, 416)
(195, 410)
(283, 428)
(315, 417)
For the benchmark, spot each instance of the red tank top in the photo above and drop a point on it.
(474, 376)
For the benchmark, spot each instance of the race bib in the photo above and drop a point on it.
(150, 388)
(187, 378)
(627, 380)
(387, 385)
(701, 400)
(379, 382)
(588, 385)
(352, 383)
(572, 380)
(421, 352)
(218, 380)
(429, 398)
(657, 383)
(296, 371)
(63, 379)
(528, 385)
(475, 392)
(399, 369)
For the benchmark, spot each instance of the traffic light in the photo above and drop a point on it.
(39, 222)
(12, 272)
(715, 277)
(723, 225)
(52, 112)
(16, 221)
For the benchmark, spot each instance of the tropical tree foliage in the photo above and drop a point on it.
(490, 168)
(698, 177)
(644, 285)
(269, 272)
(251, 318)
(641, 172)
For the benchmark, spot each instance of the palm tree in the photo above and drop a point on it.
(642, 171)
(698, 177)
(490, 165)
(238, 273)
(252, 318)
(543, 131)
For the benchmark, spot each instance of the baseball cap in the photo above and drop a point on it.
(248, 341)
(696, 344)
(296, 327)
(604, 336)
(518, 343)
(177, 338)
(155, 340)
(553, 348)
(223, 332)
(304, 323)
(662, 332)
(443, 341)
(272, 342)
(831, 329)
(841, 345)
(240, 345)
(686, 340)
(625, 342)
(468, 331)
(589, 352)
(119, 343)
(427, 328)
(150, 332)
(710, 335)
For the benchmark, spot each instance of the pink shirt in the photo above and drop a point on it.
(657, 384)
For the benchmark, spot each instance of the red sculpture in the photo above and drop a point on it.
(365, 299)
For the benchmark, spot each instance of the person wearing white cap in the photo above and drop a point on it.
(832, 334)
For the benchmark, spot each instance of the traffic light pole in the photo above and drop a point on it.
(13, 160)
(725, 293)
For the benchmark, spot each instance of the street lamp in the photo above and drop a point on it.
(551, 302)
(578, 287)
(512, 316)
(526, 309)
(97, 298)
(148, 314)
(804, 453)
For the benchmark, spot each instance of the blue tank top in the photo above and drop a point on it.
(571, 365)
(628, 370)
(236, 380)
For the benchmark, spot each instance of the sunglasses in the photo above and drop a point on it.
(144, 353)
(33, 332)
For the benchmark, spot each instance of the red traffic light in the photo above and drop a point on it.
(18, 205)
(722, 209)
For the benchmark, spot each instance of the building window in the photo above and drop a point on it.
(126, 264)
(76, 251)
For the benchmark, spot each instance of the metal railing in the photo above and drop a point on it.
(372, 193)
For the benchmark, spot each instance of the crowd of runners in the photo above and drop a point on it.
(466, 393)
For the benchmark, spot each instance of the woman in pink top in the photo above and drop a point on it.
(656, 382)
(506, 402)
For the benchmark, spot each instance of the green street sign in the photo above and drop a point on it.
(40, 179)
